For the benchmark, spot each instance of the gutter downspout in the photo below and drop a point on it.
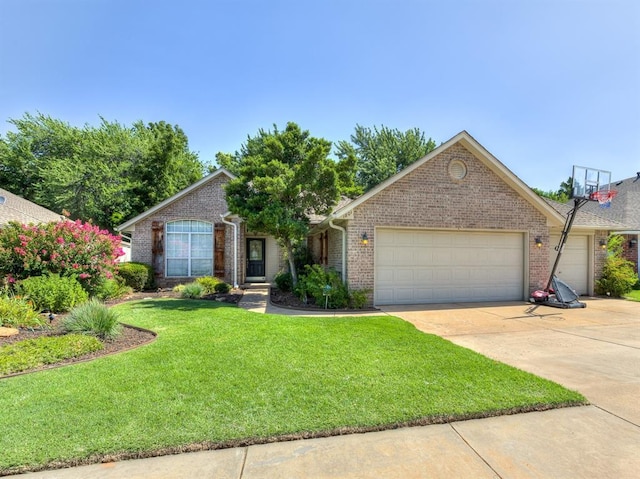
(235, 250)
(344, 248)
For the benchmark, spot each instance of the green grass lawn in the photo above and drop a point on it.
(217, 374)
(634, 295)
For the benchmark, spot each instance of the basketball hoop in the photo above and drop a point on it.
(603, 197)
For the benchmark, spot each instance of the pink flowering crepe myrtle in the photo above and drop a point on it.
(67, 248)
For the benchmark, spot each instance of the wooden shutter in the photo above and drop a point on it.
(218, 258)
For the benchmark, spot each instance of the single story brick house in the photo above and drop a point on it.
(625, 209)
(455, 226)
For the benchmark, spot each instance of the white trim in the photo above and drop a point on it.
(127, 226)
(235, 250)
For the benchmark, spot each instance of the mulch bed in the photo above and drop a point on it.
(130, 338)
(287, 299)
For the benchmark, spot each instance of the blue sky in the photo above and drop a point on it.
(543, 85)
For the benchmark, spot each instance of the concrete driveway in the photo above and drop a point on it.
(595, 350)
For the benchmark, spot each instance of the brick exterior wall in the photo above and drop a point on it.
(205, 203)
(429, 198)
(630, 251)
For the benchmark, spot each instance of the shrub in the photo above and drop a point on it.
(179, 288)
(192, 291)
(112, 289)
(19, 313)
(52, 292)
(32, 353)
(325, 287)
(208, 284)
(67, 248)
(284, 281)
(222, 288)
(93, 318)
(136, 275)
(358, 298)
(618, 276)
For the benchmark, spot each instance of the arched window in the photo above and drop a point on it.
(189, 248)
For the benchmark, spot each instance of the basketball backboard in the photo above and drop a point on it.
(587, 181)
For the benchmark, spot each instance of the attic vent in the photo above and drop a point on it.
(2, 199)
(457, 169)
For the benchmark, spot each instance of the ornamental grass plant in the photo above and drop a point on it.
(93, 318)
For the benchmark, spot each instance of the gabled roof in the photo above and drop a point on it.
(465, 139)
(625, 207)
(220, 171)
(16, 208)
(586, 219)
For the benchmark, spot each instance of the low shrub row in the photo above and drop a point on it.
(322, 287)
(202, 287)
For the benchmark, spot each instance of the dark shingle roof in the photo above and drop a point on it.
(586, 218)
(16, 208)
(625, 207)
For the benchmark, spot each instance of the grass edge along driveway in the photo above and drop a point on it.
(220, 376)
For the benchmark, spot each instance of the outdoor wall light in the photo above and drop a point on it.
(538, 242)
(633, 242)
(365, 239)
(603, 244)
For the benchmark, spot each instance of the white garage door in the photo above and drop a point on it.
(574, 262)
(419, 266)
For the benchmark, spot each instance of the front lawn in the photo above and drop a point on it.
(633, 295)
(219, 375)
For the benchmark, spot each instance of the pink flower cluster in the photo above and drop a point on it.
(66, 247)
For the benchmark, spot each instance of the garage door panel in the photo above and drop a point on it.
(573, 268)
(442, 266)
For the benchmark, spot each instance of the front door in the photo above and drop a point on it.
(255, 259)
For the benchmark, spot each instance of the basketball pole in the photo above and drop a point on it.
(577, 204)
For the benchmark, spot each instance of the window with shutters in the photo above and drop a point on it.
(189, 248)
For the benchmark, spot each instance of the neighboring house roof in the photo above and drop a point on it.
(477, 150)
(315, 219)
(625, 206)
(128, 225)
(16, 208)
(585, 219)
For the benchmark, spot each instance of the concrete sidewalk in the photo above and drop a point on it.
(581, 442)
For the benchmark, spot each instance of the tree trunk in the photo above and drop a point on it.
(292, 265)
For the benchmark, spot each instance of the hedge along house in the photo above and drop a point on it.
(455, 226)
(191, 234)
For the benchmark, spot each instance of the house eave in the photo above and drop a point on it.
(483, 155)
(130, 225)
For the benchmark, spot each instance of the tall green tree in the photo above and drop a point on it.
(282, 177)
(105, 174)
(561, 195)
(383, 152)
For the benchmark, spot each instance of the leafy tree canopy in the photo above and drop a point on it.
(383, 152)
(282, 177)
(561, 195)
(104, 174)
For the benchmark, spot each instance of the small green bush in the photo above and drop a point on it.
(618, 276)
(325, 287)
(208, 284)
(138, 276)
(112, 289)
(32, 353)
(178, 288)
(19, 313)
(52, 292)
(222, 288)
(358, 298)
(93, 318)
(284, 281)
(192, 291)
